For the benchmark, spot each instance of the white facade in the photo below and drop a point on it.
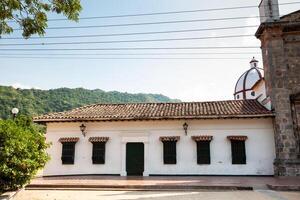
(260, 91)
(260, 150)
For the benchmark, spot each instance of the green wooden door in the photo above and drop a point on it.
(135, 159)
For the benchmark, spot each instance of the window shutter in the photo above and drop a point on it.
(203, 152)
(68, 152)
(98, 156)
(238, 151)
(169, 152)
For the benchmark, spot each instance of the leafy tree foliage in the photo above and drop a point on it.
(22, 152)
(31, 15)
(34, 102)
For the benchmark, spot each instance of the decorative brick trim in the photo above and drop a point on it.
(98, 139)
(202, 138)
(237, 137)
(169, 138)
(68, 139)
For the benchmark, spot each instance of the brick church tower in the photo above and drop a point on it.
(280, 44)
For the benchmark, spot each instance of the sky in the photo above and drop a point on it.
(209, 75)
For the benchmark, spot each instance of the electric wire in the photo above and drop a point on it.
(133, 33)
(124, 58)
(144, 23)
(132, 54)
(125, 41)
(133, 48)
(170, 12)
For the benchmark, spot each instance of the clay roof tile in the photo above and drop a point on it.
(156, 111)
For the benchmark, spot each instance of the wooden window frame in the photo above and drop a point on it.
(238, 152)
(98, 152)
(203, 152)
(170, 152)
(68, 153)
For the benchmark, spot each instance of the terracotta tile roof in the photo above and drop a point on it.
(202, 138)
(237, 137)
(160, 111)
(169, 138)
(98, 139)
(69, 139)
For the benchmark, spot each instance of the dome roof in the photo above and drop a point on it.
(249, 78)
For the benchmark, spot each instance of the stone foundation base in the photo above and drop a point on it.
(287, 167)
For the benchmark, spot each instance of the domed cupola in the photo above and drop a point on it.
(246, 82)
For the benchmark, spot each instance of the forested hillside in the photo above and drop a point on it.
(34, 101)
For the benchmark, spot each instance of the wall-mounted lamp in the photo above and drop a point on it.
(185, 127)
(83, 129)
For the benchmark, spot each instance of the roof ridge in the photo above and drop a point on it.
(182, 102)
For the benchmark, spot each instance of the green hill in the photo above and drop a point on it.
(34, 101)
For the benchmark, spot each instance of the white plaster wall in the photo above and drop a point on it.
(260, 150)
(261, 89)
(83, 152)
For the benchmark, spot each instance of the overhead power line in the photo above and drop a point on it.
(134, 33)
(123, 58)
(131, 54)
(171, 12)
(146, 23)
(133, 48)
(126, 41)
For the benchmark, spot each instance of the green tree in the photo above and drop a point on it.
(22, 152)
(31, 15)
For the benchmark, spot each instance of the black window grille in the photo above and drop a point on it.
(203, 152)
(98, 156)
(169, 152)
(68, 153)
(238, 152)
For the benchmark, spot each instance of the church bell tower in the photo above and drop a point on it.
(280, 37)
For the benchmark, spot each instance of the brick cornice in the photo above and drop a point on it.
(274, 25)
(237, 137)
(169, 138)
(270, 34)
(202, 138)
(68, 139)
(98, 139)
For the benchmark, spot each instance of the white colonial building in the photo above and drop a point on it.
(233, 137)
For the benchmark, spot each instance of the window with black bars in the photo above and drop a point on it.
(203, 152)
(169, 152)
(98, 156)
(68, 153)
(238, 152)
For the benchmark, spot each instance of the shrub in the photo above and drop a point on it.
(22, 152)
